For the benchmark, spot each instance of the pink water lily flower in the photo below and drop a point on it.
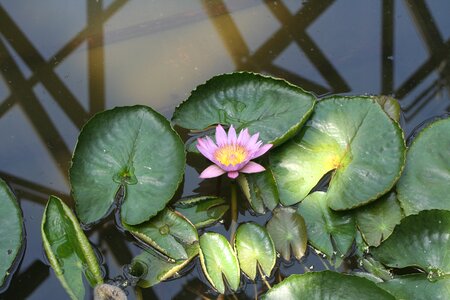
(232, 154)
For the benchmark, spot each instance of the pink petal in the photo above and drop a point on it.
(243, 137)
(233, 174)
(251, 167)
(212, 171)
(204, 148)
(221, 136)
(262, 150)
(253, 140)
(232, 135)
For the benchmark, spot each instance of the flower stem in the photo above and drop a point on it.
(234, 212)
(263, 277)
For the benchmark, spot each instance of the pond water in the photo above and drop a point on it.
(63, 61)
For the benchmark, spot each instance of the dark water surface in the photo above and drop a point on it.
(62, 61)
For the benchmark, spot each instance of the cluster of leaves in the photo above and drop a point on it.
(392, 203)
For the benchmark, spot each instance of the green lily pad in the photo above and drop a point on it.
(327, 227)
(352, 136)
(151, 268)
(11, 231)
(425, 184)
(202, 211)
(326, 285)
(272, 107)
(68, 250)
(421, 240)
(417, 286)
(260, 190)
(377, 220)
(254, 247)
(390, 105)
(288, 232)
(130, 147)
(219, 260)
(375, 268)
(168, 232)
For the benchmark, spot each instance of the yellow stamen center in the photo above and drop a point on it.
(231, 155)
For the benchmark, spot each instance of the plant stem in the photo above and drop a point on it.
(138, 293)
(263, 277)
(234, 212)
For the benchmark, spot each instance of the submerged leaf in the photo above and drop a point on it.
(327, 227)
(202, 211)
(326, 285)
(68, 250)
(168, 232)
(254, 246)
(421, 240)
(130, 147)
(272, 107)
(425, 184)
(260, 190)
(219, 261)
(350, 135)
(11, 230)
(288, 232)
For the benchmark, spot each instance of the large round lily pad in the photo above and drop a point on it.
(130, 147)
(288, 232)
(421, 240)
(326, 285)
(68, 250)
(272, 107)
(11, 230)
(219, 262)
(417, 286)
(168, 232)
(425, 182)
(352, 136)
(254, 247)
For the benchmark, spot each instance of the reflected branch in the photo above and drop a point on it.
(26, 282)
(387, 47)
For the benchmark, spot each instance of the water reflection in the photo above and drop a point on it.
(63, 61)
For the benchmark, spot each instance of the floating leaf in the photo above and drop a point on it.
(130, 147)
(354, 137)
(219, 260)
(254, 246)
(11, 230)
(260, 190)
(272, 107)
(151, 268)
(326, 227)
(168, 232)
(326, 285)
(377, 220)
(417, 286)
(202, 211)
(425, 182)
(375, 268)
(390, 106)
(421, 240)
(288, 231)
(68, 250)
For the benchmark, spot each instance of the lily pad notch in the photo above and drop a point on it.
(131, 148)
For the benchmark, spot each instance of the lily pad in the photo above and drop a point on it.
(421, 240)
(260, 190)
(151, 268)
(219, 261)
(329, 231)
(254, 247)
(417, 286)
(202, 211)
(130, 147)
(326, 285)
(390, 105)
(168, 232)
(377, 220)
(425, 182)
(272, 107)
(352, 136)
(288, 232)
(11, 231)
(68, 250)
